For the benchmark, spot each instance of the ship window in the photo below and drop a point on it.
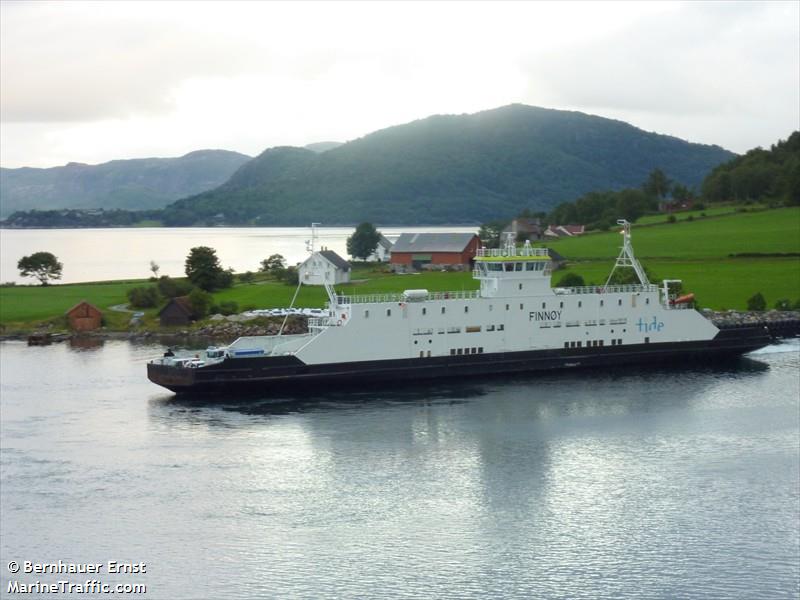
(566, 344)
(530, 266)
(601, 342)
(490, 308)
(474, 350)
(424, 311)
(619, 302)
(580, 303)
(507, 307)
(495, 266)
(366, 314)
(388, 312)
(544, 304)
(579, 344)
(466, 309)
(430, 341)
(443, 309)
(421, 353)
(508, 267)
(647, 340)
(601, 303)
(416, 342)
(452, 351)
(520, 286)
(560, 305)
(647, 300)
(460, 351)
(521, 306)
(518, 266)
(619, 341)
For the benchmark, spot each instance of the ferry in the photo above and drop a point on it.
(515, 322)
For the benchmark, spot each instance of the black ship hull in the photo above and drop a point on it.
(265, 374)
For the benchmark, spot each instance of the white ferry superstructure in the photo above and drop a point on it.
(515, 322)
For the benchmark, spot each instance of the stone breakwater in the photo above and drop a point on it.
(781, 323)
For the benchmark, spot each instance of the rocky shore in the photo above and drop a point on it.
(781, 323)
(222, 329)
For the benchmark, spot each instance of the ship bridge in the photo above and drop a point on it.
(513, 270)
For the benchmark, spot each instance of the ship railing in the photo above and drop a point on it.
(320, 322)
(607, 289)
(521, 251)
(402, 298)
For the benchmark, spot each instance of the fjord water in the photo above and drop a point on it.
(125, 253)
(659, 483)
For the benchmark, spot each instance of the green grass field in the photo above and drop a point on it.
(24, 303)
(769, 231)
(696, 252)
(719, 284)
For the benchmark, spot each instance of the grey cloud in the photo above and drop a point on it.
(699, 60)
(69, 70)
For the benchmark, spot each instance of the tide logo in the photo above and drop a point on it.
(654, 325)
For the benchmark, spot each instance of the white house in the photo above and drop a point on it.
(382, 251)
(324, 266)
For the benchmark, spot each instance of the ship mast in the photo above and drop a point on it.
(626, 257)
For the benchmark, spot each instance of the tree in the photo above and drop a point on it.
(172, 288)
(41, 265)
(657, 184)
(490, 233)
(154, 268)
(201, 302)
(364, 241)
(143, 297)
(204, 271)
(247, 277)
(571, 280)
(273, 263)
(757, 302)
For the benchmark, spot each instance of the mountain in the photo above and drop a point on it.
(136, 184)
(322, 146)
(448, 169)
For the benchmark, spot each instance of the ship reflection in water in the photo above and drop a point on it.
(604, 483)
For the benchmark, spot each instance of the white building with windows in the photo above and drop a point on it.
(382, 251)
(324, 266)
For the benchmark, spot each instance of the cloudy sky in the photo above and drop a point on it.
(90, 82)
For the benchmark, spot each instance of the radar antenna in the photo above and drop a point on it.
(626, 257)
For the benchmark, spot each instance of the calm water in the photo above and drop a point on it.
(102, 254)
(625, 484)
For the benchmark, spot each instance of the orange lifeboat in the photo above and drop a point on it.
(682, 299)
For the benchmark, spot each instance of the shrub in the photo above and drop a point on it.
(143, 297)
(201, 302)
(757, 302)
(229, 307)
(172, 288)
(570, 280)
(247, 277)
(783, 304)
(671, 219)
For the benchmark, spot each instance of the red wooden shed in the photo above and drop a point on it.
(84, 317)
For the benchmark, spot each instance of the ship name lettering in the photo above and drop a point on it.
(654, 325)
(544, 315)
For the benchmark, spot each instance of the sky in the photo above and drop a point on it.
(92, 82)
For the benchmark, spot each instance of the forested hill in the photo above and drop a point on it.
(448, 169)
(135, 184)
